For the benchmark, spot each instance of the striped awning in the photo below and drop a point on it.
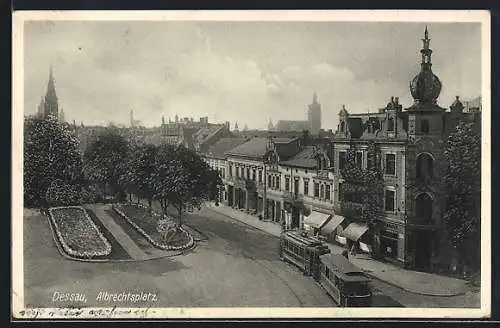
(331, 225)
(316, 219)
(354, 231)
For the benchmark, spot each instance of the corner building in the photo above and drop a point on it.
(409, 144)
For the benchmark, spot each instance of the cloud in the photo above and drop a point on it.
(236, 72)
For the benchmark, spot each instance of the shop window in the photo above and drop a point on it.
(390, 164)
(389, 200)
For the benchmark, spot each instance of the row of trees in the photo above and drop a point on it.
(57, 173)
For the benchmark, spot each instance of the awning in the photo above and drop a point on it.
(316, 219)
(331, 225)
(354, 231)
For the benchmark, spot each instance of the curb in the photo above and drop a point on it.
(368, 273)
(411, 290)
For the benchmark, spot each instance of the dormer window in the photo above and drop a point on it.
(390, 124)
(342, 126)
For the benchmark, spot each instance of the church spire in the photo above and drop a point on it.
(51, 106)
(426, 52)
(315, 98)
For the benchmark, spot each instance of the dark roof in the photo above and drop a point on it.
(304, 159)
(255, 147)
(223, 145)
(343, 267)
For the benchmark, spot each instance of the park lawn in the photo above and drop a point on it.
(77, 233)
(146, 223)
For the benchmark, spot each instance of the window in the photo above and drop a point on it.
(342, 126)
(322, 192)
(278, 183)
(389, 200)
(237, 172)
(248, 173)
(260, 176)
(306, 187)
(342, 160)
(390, 124)
(287, 183)
(296, 186)
(424, 208)
(269, 181)
(390, 164)
(254, 174)
(359, 159)
(425, 166)
(327, 192)
(424, 126)
(316, 189)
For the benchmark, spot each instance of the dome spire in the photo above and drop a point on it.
(426, 52)
(426, 86)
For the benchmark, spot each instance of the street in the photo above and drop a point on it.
(236, 266)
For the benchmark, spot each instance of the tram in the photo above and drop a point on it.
(302, 251)
(343, 281)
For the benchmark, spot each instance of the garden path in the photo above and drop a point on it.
(121, 236)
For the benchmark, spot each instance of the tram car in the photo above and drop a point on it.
(302, 251)
(343, 281)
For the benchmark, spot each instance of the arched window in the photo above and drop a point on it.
(424, 207)
(390, 124)
(342, 126)
(424, 126)
(425, 166)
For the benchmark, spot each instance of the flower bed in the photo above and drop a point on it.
(77, 233)
(147, 224)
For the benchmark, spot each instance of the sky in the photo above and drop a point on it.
(245, 72)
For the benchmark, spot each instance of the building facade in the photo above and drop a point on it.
(409, 145)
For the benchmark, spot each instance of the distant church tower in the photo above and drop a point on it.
(270, 126)
(49, 105)
(314, 116)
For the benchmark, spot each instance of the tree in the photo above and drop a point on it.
(138, 177)
(182, 179)
(362, 189)
(105, 159)
(51, 153)
(462, 182)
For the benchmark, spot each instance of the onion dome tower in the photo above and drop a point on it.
(425, 87)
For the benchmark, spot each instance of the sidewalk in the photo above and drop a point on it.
(412, 281)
